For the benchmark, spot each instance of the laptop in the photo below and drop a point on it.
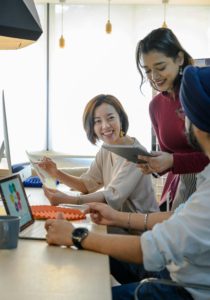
(16, 203)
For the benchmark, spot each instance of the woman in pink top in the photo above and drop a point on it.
(162, 58)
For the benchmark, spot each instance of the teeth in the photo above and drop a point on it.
(159, 82)
(107, 133)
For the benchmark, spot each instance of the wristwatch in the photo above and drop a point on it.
(78, 235)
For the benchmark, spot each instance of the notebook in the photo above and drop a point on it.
(16, 204)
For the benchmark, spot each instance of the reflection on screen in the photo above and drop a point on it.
(15, 199)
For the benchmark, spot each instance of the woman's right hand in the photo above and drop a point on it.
(160, 162)
(145, 168)
(48, 165)
(102, 213)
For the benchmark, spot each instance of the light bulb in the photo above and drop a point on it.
(62, 42)
(164, 25)
(108, 27)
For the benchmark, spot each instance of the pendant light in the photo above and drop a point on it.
(108, 24)
(165, 2)
(19, 24)
(62, 40)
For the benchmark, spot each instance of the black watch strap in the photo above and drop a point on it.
(78, 235)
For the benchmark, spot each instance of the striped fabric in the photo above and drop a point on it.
(187, 186)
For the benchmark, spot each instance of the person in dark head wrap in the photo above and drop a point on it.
(195, 96)
(178, 246)
(196, 86)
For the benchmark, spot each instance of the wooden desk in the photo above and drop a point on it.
(37, 271)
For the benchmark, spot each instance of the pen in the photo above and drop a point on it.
(156, 175)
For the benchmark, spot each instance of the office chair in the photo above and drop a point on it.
(169, 282)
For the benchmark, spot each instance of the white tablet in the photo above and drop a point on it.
(129, 152)
(45, 178)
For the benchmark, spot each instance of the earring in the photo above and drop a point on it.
(180, 71)
(122, 133)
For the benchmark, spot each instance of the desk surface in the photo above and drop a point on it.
(37, 271)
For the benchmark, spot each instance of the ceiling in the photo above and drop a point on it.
(148, 2)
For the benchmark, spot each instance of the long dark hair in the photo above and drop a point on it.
(88, 115)
(162, 40)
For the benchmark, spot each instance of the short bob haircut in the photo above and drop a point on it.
(88, 115)
(161, 40)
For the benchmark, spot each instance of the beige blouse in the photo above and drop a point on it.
(126, 188)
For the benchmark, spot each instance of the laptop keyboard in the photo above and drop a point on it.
(34, 231)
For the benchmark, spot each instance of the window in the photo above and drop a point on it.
(23, 78)
(91, 63)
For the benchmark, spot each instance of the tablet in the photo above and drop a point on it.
(45, 178)
(129, 152)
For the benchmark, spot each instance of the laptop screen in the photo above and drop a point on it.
(15, 200)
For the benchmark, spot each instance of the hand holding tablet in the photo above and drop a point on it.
(131, 153)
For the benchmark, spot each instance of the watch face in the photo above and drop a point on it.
(79, 232)
(78, 236)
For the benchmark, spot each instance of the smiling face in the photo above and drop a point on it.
(107, 124)
(161, 70)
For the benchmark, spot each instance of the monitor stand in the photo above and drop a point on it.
(24, 170)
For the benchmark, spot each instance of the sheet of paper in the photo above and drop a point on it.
(45, 178)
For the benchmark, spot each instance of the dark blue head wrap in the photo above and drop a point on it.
(195, 96)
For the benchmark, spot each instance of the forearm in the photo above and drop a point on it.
(72, 181)
(137, 220)
(92, 197)
(122, 247)
(193, 162)
(56, 197)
